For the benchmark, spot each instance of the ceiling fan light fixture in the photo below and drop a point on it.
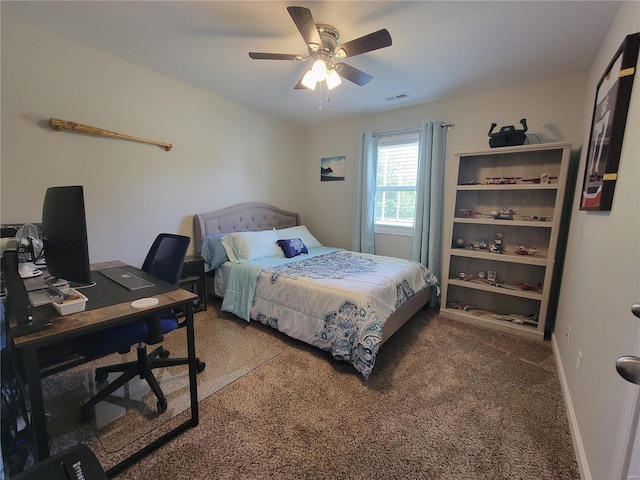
(333, 79)
(322, 41)
(319, 70)
(309, 80)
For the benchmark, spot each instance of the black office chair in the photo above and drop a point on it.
(164, 261)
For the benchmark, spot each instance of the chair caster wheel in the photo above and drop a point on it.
(87, 413)
(101, 377)
(164, 353)
(201, 366)
(162, 406)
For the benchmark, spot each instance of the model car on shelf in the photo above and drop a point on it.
(530, 287)
(502, 180)
(469, 213)
(461, 306)
(542, 179)
(473, 181)
(531, 319)
(502, 214)
(537, 218)
(525, 250)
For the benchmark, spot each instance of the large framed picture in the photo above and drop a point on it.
(607, 127)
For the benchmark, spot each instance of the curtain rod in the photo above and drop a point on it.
(411, 130)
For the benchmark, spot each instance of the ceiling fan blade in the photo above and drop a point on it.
(353, 74)
(303, 19)
(299, 85)
(373, 41)
(274, 56)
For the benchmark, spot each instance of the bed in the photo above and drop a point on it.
(267, 267)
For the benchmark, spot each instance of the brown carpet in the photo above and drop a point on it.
(130, 413)
(446, 400)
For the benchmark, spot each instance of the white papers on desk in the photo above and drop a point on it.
(39, 297)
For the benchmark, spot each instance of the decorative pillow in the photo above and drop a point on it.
(213, 251)
(292, 247)
(300, 232)
(247, 246)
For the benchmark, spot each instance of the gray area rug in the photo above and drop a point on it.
(130, 414)
(446, 400)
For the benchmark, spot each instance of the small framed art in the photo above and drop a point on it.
(607, 127)
(333, 168)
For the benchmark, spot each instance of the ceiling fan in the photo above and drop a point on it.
(323, 47)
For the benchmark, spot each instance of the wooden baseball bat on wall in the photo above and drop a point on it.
(58, 124)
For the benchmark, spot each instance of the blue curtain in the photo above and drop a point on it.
(426, 245)
(427, 235)
(362, 236)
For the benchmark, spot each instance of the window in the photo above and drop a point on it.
(396, 178)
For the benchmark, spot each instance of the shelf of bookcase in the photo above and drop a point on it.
(503, 289)
(499, 257)
(486, 317)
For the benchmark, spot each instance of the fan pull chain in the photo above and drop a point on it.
(320, 101)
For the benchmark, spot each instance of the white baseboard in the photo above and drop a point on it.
(578, 446)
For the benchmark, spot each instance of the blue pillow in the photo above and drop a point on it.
(292, 247)
(213, 251)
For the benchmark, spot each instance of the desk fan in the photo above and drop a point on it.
(30, 249)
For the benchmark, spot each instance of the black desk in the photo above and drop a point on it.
(108, 305)
(194, 278)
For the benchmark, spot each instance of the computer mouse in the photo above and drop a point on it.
(144, 302)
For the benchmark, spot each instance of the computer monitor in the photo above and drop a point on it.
(64, 235)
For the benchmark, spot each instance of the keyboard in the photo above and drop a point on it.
(126, 278)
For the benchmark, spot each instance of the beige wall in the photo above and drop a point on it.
(223, 153)
(601, 281)
(552, 107)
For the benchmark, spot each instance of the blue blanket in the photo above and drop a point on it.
(243, 278)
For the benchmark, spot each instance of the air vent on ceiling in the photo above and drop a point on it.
(398, 96)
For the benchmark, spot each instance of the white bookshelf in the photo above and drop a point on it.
(490, 182)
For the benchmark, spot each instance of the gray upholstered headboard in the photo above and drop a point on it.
(244, 217)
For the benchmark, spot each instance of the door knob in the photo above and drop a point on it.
(628, 366)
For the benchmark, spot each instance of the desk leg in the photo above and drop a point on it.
(38, 417)
(193, 366)
(193, 392)
(206, 292)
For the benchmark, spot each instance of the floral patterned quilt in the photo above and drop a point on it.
(338, 301)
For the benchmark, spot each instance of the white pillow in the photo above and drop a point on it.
(300, 232)
(246, 246)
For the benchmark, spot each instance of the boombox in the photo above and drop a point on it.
(508, 136)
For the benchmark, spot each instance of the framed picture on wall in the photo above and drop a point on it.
(333, 168)
(607, 127)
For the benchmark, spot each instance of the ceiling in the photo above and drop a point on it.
(440, 49)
